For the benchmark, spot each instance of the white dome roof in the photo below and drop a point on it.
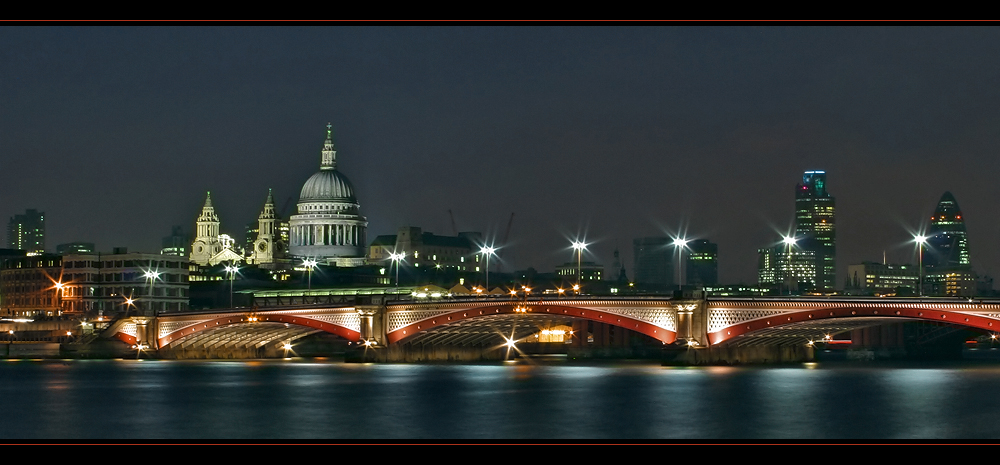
(328, 185)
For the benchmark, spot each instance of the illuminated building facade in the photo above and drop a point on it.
(947, 266)
(883, 279)
(27, 232)
(268, 250)
(210, 247)
(98, 284)
(328, 227)
(589, 271)
(815, 227)
(28, 286)
(93, 284)
(75, 247)
(788, 268)
(425, 249)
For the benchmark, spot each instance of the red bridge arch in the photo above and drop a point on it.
(664, 335)
(969, 320)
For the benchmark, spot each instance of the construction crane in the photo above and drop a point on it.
(454, 230)
(285, 208)
(506, 235)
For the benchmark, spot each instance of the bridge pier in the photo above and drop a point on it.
(692, 321)
(368, 315)
(145, 332)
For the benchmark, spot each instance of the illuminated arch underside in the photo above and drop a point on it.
(489, 325)
(243, 336)
(296, 326)
(799, 327)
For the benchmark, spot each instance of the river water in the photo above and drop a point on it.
(524, 400)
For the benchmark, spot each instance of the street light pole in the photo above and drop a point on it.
(921, 240)
(789, 242)
(231, 270)
(396, 257)
(579, 246)
(58, 296)
(310, 264)
(152, 276)
(680, 244)
(487, 251)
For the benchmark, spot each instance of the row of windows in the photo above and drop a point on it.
(125, 264)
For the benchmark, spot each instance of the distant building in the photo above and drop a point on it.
(177, 243)
(873, 278)
(268, 250)
(617, 273)
(425, 249)
(954, 282)
(98, 284)
(75, 247)
(209, 246)
(947, 264)
(702, 267)
(589, 271)
(788, 269)
(328, 226)
(815, 228)
(27, 232)
(806, 264)
(28, 285)
(737, 290)
(653, 261)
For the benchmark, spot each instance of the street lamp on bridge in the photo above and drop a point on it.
(396, 258)
(487, 251)
(579, 246)
(789, 242)
(920, 240)
(151, 277)
(231, 271)
(309, 264)
(680, 244)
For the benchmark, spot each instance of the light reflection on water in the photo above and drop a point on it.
(129, 399)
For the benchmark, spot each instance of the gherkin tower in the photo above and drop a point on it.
(948, 268)
(948, 244)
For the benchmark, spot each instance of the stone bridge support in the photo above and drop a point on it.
(145, 332)
(692, 321)
(374, 322)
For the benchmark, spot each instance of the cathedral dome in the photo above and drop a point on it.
(329, 226)
(328, 185)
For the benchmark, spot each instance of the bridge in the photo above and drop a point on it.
(463, 328)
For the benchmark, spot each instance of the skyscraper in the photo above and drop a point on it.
(948, 269)
(815, 227)
(948, 244)
(27, 232)
(788, 268)
(654, 266)
(702, 263)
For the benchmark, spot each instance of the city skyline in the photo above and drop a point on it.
(618, 133)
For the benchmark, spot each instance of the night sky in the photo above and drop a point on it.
(612, 133)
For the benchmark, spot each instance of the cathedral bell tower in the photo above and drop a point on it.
(206, 242)
(268, 246)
